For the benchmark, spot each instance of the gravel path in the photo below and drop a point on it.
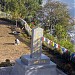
(7, 48)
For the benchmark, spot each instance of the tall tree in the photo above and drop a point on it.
(57, 13)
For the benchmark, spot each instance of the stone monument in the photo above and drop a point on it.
(36, 63)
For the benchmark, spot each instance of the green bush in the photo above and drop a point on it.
(67, 44)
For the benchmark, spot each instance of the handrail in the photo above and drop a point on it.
(27, 27)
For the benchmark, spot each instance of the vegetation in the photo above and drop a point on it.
(55, 12)
(21, 8)
(60, 32)
(57, 21)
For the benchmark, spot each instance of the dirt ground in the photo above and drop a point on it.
(8, 50)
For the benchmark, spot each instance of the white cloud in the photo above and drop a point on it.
(69, 7)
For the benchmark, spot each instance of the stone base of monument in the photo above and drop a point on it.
(42, 60)
(29, 66)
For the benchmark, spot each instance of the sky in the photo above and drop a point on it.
(70, 3)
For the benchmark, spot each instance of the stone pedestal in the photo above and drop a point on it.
(43, 60)
(29, 66)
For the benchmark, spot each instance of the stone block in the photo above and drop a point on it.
(31, 61)
(44, 69)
